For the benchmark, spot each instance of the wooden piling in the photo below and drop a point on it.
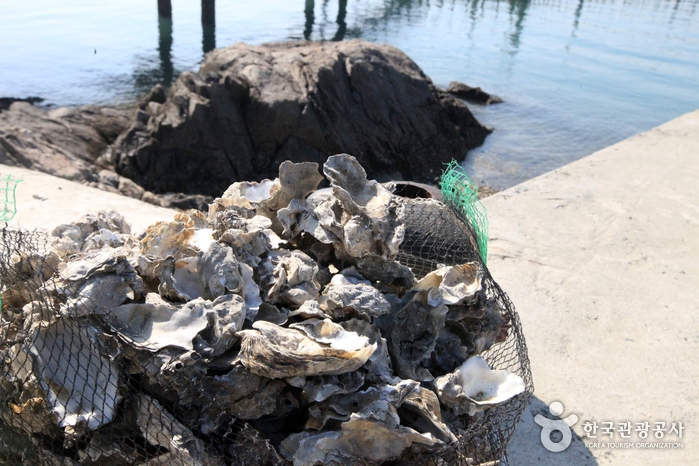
(164, 8)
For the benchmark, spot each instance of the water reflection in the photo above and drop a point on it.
(165, 50)
(578, 11)
(341, 22)
(310, 19)
(518, 10)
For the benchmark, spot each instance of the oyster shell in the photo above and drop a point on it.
(79, 383)
(374, 225)
(474, 386)
(160, 428)
(348, 294)
(276, 352)
(371, 436)
(296, 181)
(290, 278)
(414, 335)
(460, 284)
(176, 238)
(157, 324)
(323, 387)
(107, 228)
(243, 394)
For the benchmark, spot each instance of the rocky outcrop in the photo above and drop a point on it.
(70, 143)
(472, 94)
(5, 102)
(65, 142)
(251, 107)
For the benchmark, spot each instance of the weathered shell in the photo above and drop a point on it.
(90, 232)
(474, 386)
(161, 429)
(245, 395)
(460, 284)
(290, 277)
(176, 238)
(79, 384)
(276, 352)
(157, 324)
(344, 295)
(420, 410)
(375, 224)
(371, 436)
(295, 181)
(414, 335)
(323, 387)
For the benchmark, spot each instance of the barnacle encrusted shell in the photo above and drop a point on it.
(277, 352)
(346, 294)
(474, 386)
(176, 238)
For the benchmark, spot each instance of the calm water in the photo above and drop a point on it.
(576, 76)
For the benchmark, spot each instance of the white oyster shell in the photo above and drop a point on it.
(80, 384)
(474, 386)
(276, 352)
(458, 284)
(157, 324)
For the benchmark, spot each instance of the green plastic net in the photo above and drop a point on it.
(461, 193)
(8, 186)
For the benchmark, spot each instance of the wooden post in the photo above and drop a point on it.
(208, 24)
(208, 12)
(164, 8)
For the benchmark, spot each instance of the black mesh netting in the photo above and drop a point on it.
(76, 388)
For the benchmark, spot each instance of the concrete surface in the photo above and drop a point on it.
(601, 258)
(45, 201)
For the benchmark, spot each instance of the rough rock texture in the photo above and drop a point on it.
(472, 94)
(251, 107)
(64, 142)
(5, 102)
(72, 143)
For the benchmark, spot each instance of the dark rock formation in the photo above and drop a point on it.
(472, 94)
(5, 102)
(65, 142)
(72, 143)
(251, 107)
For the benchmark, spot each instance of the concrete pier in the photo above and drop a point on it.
(601, 258)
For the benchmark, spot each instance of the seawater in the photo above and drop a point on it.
(576, 76)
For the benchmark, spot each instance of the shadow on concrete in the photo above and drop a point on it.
(526, 448)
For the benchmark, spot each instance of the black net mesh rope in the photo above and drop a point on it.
(71, 393)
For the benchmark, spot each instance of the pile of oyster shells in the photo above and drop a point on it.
(283, 307)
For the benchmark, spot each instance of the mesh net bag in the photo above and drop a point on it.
(77, 388)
